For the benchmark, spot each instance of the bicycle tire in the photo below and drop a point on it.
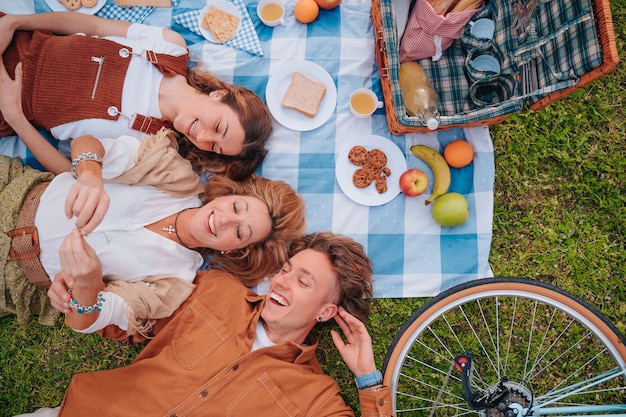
(483, 317)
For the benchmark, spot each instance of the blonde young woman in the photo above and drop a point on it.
(75, 74)
(140, 232)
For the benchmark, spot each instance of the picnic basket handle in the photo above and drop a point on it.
(380, 49)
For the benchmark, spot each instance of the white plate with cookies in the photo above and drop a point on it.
(280, 81)
(219, 21)
(80, 6)
(361, 153)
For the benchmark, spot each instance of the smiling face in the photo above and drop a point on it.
(211, 125)
(230, 222)
(304, 290)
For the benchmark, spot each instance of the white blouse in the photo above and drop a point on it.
(127, 250)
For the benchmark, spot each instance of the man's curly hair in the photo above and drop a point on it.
(350, 263)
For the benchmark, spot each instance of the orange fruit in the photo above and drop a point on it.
(458, 153)
(306, 11)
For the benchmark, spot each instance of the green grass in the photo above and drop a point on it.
(559, 216)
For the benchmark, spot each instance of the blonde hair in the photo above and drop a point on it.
(254, 117)
(287, 213)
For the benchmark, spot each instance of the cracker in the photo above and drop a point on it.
(89, 3)
(220, 23)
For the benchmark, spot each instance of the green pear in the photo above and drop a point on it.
(450, 210)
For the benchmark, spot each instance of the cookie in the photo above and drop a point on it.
(381, 184)
(358, 155)
(371, 171)
(387, 171)
(89, 3)
(71, 4)
(361, 178)
(377, 158)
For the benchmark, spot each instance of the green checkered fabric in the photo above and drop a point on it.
(559, 45)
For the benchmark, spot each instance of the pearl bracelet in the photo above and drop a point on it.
(85, 156)
(81, 309)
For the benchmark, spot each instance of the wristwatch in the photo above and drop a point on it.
(369, 380)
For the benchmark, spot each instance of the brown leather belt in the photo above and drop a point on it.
(25, 240)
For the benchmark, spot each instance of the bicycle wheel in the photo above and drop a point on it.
(531, 348)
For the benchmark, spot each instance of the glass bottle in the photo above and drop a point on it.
(419, 97)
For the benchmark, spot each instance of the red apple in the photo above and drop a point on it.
(328, 4)
(413, 182)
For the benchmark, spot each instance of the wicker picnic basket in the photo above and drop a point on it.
(575, 46)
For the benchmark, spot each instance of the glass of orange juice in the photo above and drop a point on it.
(364, 102)
(271, 12)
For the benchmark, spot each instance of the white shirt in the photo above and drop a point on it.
(141, 86)
(127, 250)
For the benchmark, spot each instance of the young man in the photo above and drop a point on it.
(229, 351)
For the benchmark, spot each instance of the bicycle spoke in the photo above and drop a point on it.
(527, 351)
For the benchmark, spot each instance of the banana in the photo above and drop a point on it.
(439, 166)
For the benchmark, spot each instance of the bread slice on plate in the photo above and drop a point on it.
(304, 94)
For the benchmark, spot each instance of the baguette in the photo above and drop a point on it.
(304, 94)
(441, 6)
(464, 5)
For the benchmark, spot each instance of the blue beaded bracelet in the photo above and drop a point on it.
(370, 380)
(81, 309)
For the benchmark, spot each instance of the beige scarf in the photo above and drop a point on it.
(159, 164)
(153, 298)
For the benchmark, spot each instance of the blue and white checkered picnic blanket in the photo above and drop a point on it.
(412, 255)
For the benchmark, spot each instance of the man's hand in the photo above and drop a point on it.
(357, 353)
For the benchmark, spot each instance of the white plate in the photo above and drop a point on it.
(369, 196)
(227, 7)
(277, 86)
(56, 6)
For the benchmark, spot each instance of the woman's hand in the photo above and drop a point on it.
(11, 97)
(81, 273)
(79, 260)
(88, 201)
(358, 353)
(59, 291)
(7, 29)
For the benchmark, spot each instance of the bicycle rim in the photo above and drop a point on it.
(544, 344)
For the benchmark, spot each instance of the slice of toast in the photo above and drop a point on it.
(304, 94)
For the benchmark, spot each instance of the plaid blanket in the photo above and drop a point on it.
(412, 255)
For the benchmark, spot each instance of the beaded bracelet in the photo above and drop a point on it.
(81, 309)
(85, 156)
